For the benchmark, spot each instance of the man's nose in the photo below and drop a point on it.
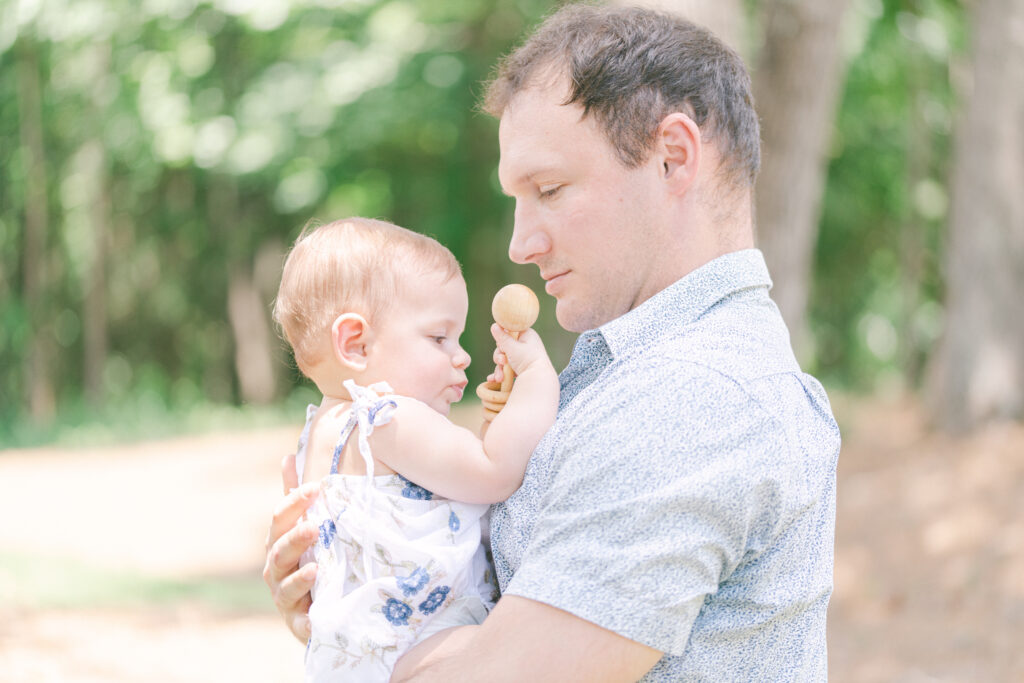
(529, 239)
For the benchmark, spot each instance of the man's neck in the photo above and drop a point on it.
(701, 240)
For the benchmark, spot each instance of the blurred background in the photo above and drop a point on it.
(158, 157)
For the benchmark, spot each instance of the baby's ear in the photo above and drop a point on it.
(350, 340)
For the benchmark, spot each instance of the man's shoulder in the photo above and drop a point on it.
(670, 399)
(726, 394)
(720, 347)
(698, 359)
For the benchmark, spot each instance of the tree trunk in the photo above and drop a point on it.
(94, 323)
(796, 86)
(94, 318)
(253, 356)
(39, 346)
(912, 249)
(266, 276)
(248, 312)
(977, 373)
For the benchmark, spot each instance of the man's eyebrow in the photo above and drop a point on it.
(528, 176)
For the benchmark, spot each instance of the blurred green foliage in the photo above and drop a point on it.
(875, 306)
(215, 130)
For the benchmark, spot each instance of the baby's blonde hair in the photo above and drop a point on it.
(353, 265)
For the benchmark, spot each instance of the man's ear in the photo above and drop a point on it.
(350, 340)
(679, 145)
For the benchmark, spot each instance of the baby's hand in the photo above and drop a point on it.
(521, 354)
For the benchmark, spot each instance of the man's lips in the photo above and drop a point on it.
(553, 280)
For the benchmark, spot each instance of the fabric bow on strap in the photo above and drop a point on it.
(369, 408)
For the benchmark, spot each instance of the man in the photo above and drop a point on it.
(676, 524)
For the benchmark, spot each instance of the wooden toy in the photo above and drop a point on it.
(515, 308)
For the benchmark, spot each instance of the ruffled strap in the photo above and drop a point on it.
(300, 450)
(369, 409)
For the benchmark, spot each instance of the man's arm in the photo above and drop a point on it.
(526, 640)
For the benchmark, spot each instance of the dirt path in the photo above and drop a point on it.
(186, 515)
(141, 562)
(929, 575)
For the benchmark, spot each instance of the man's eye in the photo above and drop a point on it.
(547, 191)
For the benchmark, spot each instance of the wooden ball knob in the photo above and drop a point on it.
(515, 307)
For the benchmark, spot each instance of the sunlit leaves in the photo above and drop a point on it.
(224, 126)
(878, 276)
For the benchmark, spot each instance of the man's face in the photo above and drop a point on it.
(589, 223)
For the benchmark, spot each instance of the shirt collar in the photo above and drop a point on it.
(686, 299)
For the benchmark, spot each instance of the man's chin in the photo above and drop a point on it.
(575, 316)
(570, 318)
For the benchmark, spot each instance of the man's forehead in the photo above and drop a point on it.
(524, 156)
(537, 130)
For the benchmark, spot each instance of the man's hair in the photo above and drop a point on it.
(352, 265)
(629, 68)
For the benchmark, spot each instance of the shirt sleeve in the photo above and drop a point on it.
(659, 497)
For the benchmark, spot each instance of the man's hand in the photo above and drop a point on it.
(286, 541)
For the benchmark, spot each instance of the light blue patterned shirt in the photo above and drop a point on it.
(685, 496)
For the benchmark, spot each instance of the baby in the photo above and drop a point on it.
(373, 313)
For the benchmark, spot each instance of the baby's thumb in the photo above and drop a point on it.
(504, 339)
(501, 337)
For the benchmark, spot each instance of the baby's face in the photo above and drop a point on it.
(416, 342)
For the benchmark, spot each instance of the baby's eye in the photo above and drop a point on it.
(438, 339)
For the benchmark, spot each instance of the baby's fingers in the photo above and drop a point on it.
(520, 353)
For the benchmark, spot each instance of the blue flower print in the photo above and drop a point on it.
(453, 522)
(413, 491)
(434, 600)
(397, 612)
(415, 581)
(327, 531)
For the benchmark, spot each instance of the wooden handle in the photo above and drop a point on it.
(515, 308)
(509, 375)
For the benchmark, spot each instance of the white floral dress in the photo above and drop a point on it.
(396, 563)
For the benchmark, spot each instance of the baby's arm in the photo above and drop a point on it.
(426, 448)
(532, 405)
